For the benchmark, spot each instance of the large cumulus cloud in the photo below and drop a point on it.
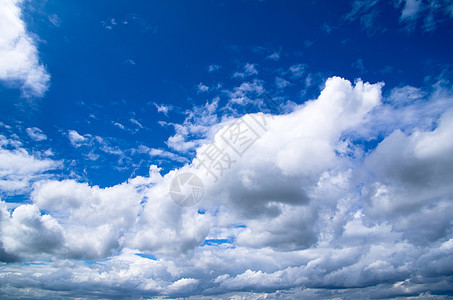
(349, 194)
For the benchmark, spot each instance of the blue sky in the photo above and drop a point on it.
(103, 104)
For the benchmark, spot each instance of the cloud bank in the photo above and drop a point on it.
(348, 195)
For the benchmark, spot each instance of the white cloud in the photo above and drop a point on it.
(432, 12)
(163, 108)
(55, 20)
(30, 233)
(415, 170)
(366, 12)
(134, 121)
(201, 122)
(213, 68)
(405, 95)
(281, 83)
(92, 223)
(308, 43)
(19, 169)
(179, 143)
(129, 62)
(246, 92)
(119, 125)
(358, 64)
(326, 28)
(36, 134)
(94, 219)
(76, 139)
(153, 152)
(5, 125)
(297, 70)
(201, 88)
(249, 70)
(92, 146)
(306, 212)
(110, 24)
(411, 9)
(20, 59)
(274, 56)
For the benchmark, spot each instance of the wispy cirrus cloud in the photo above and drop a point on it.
(411, 11)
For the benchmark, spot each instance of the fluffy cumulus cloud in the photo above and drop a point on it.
(20, 59)
(346, 196)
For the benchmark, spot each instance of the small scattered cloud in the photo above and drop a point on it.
(119, 125)
(386, 70)
(163, 108)
(274, 56)
(5, 125)
(246, 92)
(281, 83)
(109, 24)
(308, 43)
(76, 139)
(55, 20)
(160, 153)
(326, 28)
(129, 62)
(36, 134)
(249, 70)
(132, 21)
(201, 88)
(92, 147)
(199, 124)
(213, 68)
(431, 12)
(135, 122)
(358, 64)
(411, 9)
(297, 70)
(366, 12)
(270, 53)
